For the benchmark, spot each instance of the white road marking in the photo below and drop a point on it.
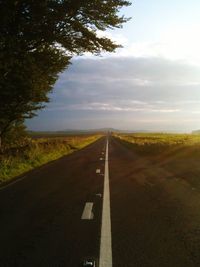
(106, 241)
(87, 212)
(12, 183)
(98, 170)
(99, 195)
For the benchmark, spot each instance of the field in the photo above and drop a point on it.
(38, 150)
(179, 154)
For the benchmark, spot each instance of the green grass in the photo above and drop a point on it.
(179, 154)
(18, 160)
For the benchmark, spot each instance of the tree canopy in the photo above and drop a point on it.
(37, 41)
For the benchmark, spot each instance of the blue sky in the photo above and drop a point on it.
(152, 83)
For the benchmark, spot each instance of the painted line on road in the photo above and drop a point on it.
(105, 259)
(87, 212)
(12, 183)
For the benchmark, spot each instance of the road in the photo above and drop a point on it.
(53, 215)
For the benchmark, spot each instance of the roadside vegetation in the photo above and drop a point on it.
(30, 152)
(177, 153)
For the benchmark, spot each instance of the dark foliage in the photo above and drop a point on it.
(37, 41)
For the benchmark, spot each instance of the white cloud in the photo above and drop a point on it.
(118, 38)
(175, 43)
(147, 93)
(120, 106)
(130, 84)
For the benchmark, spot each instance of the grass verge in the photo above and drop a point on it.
(179, 154)
(18, 160)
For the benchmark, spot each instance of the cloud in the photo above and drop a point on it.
(129, 79)
(128, 84)
(123, 91)
(176, 42)
(120, 107)
(185, 50)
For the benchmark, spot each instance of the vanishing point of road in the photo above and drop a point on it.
(102, 202)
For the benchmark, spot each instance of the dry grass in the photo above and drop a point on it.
(176, 153)
(36, 152)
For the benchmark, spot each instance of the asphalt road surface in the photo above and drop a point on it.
(53, 215)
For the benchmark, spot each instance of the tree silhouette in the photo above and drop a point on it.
(37, 41)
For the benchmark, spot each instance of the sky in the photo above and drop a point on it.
(152, 83)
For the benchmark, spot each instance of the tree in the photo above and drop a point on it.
(37, 41)
(25, 85)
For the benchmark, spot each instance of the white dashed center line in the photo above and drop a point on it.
(87, 212)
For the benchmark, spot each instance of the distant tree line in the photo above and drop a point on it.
(37, 41)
